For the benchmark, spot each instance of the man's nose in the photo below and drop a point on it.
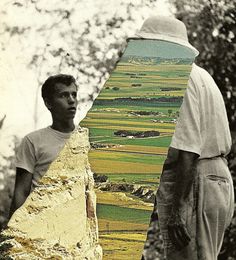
(71, 99)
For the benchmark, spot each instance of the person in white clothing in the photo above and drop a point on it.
(40, 148)
(195, 200)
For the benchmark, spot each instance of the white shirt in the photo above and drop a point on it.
(202, 127)
(38, 150)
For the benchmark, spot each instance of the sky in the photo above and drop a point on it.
(157, 48)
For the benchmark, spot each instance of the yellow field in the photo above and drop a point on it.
(123, 218)
(173, 94)
(111, 225)
(121, 248)
(125, 122)
(143, 67)
(128, 76)
(113, 167)
(116, 127)
(120, 199)
(181, 81)
(105, 114)
(127, 236)
(139, 148)
(100, 154)
(127, 84)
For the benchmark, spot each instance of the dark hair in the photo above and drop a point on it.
(49, 85)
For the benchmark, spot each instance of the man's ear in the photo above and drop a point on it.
(47, 103)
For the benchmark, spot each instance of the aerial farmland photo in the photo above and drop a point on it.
(131, 124)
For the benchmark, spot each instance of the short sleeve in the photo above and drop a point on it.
(25, 155)
(187, 135)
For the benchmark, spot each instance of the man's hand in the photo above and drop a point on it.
(185, 175)
(177, 231)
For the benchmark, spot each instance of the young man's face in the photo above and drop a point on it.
(64, 102)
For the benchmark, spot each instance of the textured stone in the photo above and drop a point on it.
(58, 219)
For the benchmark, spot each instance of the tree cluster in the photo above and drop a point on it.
(137, 134)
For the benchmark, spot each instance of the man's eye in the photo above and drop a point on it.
(74, 95)
(63, 95)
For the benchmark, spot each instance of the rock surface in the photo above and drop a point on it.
(58, 219)
(146, 194)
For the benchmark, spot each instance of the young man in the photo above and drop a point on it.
(40, 148)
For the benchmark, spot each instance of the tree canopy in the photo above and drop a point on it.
(212, 30)
(80, 37)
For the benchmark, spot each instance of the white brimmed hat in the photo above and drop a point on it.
(166, 29)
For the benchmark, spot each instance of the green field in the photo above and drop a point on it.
(128, 157)
(113, 212)
(151, 180)
(158, 141)
(136, 98)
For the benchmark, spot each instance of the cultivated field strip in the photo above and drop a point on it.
(131, 124)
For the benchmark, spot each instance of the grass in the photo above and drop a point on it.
(113, 212)
(141, 149)
(148, 159)
(105, 226)
(126, 115)
(129, 121)
(106, 167)
(117, 248)
(144, 179)
(120, 108)
(131, 128)
(132, 103)
(163, 141)
(134, 125)
(121, 199)
(123, 220)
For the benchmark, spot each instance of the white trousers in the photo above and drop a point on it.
(208, 213)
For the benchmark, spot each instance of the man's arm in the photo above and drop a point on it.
(22, 189)
(185, 175)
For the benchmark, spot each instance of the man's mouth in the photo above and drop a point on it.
(72, 109)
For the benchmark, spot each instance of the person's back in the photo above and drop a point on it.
(214, 122)
(201, 141)
(205, 123)
(195, 199)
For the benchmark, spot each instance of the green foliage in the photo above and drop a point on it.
(69, 37)
(170, 111)
(7, 179)
(137, 134)
(212, 29)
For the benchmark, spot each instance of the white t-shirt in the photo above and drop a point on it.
(202, 127)
(38, 150)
